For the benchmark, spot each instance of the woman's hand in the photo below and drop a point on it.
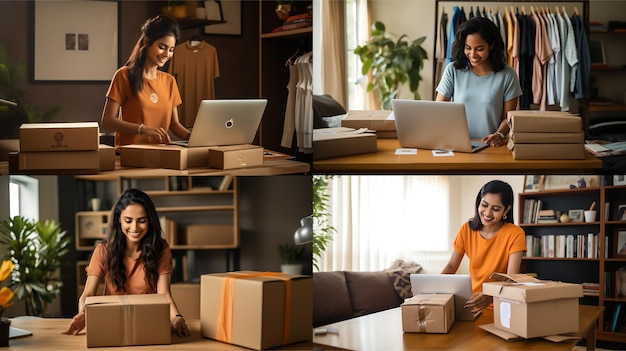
(495, 139)
(158, 134)
(180, 326)
(77, 325)
(479, 302)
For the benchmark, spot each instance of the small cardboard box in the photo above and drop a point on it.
(378, 120)
(122, 320)
(531, 308)
(107, 157)
(267, 309)
(163, 156)
(80, 136)
(83, 162)
(547, 138)
(222, 235)
(543, 121)
(337, 142)
(235, 156)
(548, 151)
(428, 313)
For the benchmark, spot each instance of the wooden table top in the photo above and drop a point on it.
(383, 331)
(492, 160)
(47, 335)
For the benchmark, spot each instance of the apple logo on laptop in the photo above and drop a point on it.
(229, 123)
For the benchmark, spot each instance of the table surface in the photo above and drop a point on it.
(383, 331)
(492, 160)
(47, 335)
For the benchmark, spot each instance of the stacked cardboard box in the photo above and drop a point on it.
(67, 147)
(544, 135)
(526, 307)
(428, 313)
(380, 121)
(342, 141)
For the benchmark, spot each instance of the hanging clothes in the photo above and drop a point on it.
(195, 68)
(304, 103)
(581, 90)
(289, 124)
(442, 44)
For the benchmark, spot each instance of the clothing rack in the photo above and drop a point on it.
(495, 4)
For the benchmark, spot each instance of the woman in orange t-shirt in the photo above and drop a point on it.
(134, 259)
(491, 241)
(142, 101)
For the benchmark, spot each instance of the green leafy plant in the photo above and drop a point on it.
(391, 63)
(291, 254)
(11, 74)
(322, 230)
(37, 250)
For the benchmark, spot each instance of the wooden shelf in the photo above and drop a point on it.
(607, 108)
(288, 33)
(193, 22)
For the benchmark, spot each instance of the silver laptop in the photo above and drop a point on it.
(225, 122)
(433, 125)
(458, 284)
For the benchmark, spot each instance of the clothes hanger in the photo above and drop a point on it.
(290, 59)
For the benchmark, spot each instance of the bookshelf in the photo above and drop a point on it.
(594, 263)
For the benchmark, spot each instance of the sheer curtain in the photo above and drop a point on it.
(383, 218)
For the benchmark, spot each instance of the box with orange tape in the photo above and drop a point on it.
(257, 310)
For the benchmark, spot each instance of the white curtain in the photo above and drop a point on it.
(383, 218)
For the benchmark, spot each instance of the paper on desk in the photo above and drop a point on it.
(438, 153)
(406, 151)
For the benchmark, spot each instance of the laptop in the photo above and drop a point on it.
(458, 284)
(225, 122)
(433, 125)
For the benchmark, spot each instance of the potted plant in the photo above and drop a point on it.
(323, 231)
(291, 256)
(6, 295)
(37, 250)
(391, 63)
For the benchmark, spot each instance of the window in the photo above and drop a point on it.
(357, 32)
(24, 197)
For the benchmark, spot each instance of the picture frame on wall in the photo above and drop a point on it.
(533, 183)
(620, 243)
(231, 14)
(75, 41)
(575, 215)
(619, 179)
(621, 213)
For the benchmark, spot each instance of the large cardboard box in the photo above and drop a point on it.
(543, 121)
(377, 120)
(83, 162)
(547, 138)
(122, 320)
(235, 156)
(163, 156)
(80, 136)
(336, 142)
(531, 308)
(548, 151)
(428, 313)
(258, 310)
(214, 234)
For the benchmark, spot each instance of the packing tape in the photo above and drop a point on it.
(421, 319)
(225, 314)
(128, 333)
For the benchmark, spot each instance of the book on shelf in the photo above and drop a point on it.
(618, 315)
(560, 246)
(569, 246)
(591, 289)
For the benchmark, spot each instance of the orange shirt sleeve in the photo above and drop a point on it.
(97, 263)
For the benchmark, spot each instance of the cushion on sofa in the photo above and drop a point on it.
(371, 292)
(327, 112)
(331, 300)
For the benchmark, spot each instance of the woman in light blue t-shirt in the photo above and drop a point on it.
(479, 77)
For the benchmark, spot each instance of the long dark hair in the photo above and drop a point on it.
(151, 245)
(496, 187)
(489, 32)
(153, 29)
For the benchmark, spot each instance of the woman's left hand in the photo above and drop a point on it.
(479, 302)
(494, 140)
(180, 326)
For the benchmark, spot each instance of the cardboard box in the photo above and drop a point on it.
(122, 320)
(163, 156)
(543, 122)
(187, 297)
(7, 146)
(547, 138)
(377, 120)
(269, 309)
(428, 313)
(81, 136)
(222, 235)
(235, 156)
(548, 151)
(336, 142)
(107, 157)
(83, 162)
(533, 308)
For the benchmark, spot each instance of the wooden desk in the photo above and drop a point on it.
(493, 160)
(47, 336)
(383, 331)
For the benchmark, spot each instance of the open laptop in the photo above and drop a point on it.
(225, 122)
(433, 125)
(458, 284)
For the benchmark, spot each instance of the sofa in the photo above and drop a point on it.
(341, 295)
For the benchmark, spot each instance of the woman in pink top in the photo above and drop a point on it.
(142, 101)
(491, 241)
(134, 259)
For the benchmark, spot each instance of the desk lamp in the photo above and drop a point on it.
(304, 234)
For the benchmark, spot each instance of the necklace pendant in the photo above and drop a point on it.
(154, 98)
